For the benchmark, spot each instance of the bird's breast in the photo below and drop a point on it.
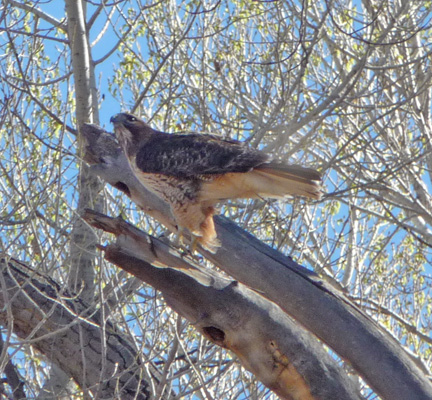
(169, 188)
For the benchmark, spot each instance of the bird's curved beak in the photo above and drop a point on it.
(116, 118)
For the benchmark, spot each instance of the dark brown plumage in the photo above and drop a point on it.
(194, 172)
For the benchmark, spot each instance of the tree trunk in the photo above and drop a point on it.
(83, 239)
(70, 334)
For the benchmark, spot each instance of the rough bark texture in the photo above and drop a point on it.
(110, 164)
(56, 386)
(12, 376)
(69, 333)
(355, 337)
(376, 356)
(83, 239)
(271, 345)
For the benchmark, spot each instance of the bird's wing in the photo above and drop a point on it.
(189, 156)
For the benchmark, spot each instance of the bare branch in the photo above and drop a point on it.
(281, 354)
(303, 296)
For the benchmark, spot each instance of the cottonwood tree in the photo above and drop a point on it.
(338, 86)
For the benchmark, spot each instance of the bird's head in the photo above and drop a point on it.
(126, 119)
(130, 130)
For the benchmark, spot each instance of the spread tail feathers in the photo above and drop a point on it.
(293, 180)
(267, 180)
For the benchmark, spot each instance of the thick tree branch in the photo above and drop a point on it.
(280, 353)
(376, 356)
(67, 331)
(56, 385)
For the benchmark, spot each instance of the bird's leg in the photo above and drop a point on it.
(178, 242)
(194, 244)
(197, 218)
(185, 250)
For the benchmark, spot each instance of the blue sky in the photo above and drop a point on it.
(338, 228)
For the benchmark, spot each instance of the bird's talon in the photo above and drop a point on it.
(249, 173)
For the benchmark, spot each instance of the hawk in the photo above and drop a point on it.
(194, 172)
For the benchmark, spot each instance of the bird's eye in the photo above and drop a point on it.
(132, 119)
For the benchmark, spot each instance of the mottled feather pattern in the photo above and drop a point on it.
(169, 188)
(193, 172)
(189, 156)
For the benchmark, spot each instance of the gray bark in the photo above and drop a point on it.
(69, 333)
(375, 355)
(280, 353)
(83, 239)
(12, 375)
(56, 386)
(355, 337)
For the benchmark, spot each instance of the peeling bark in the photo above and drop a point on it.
(281, 354)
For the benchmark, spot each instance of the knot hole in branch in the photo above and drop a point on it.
(214, 334)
